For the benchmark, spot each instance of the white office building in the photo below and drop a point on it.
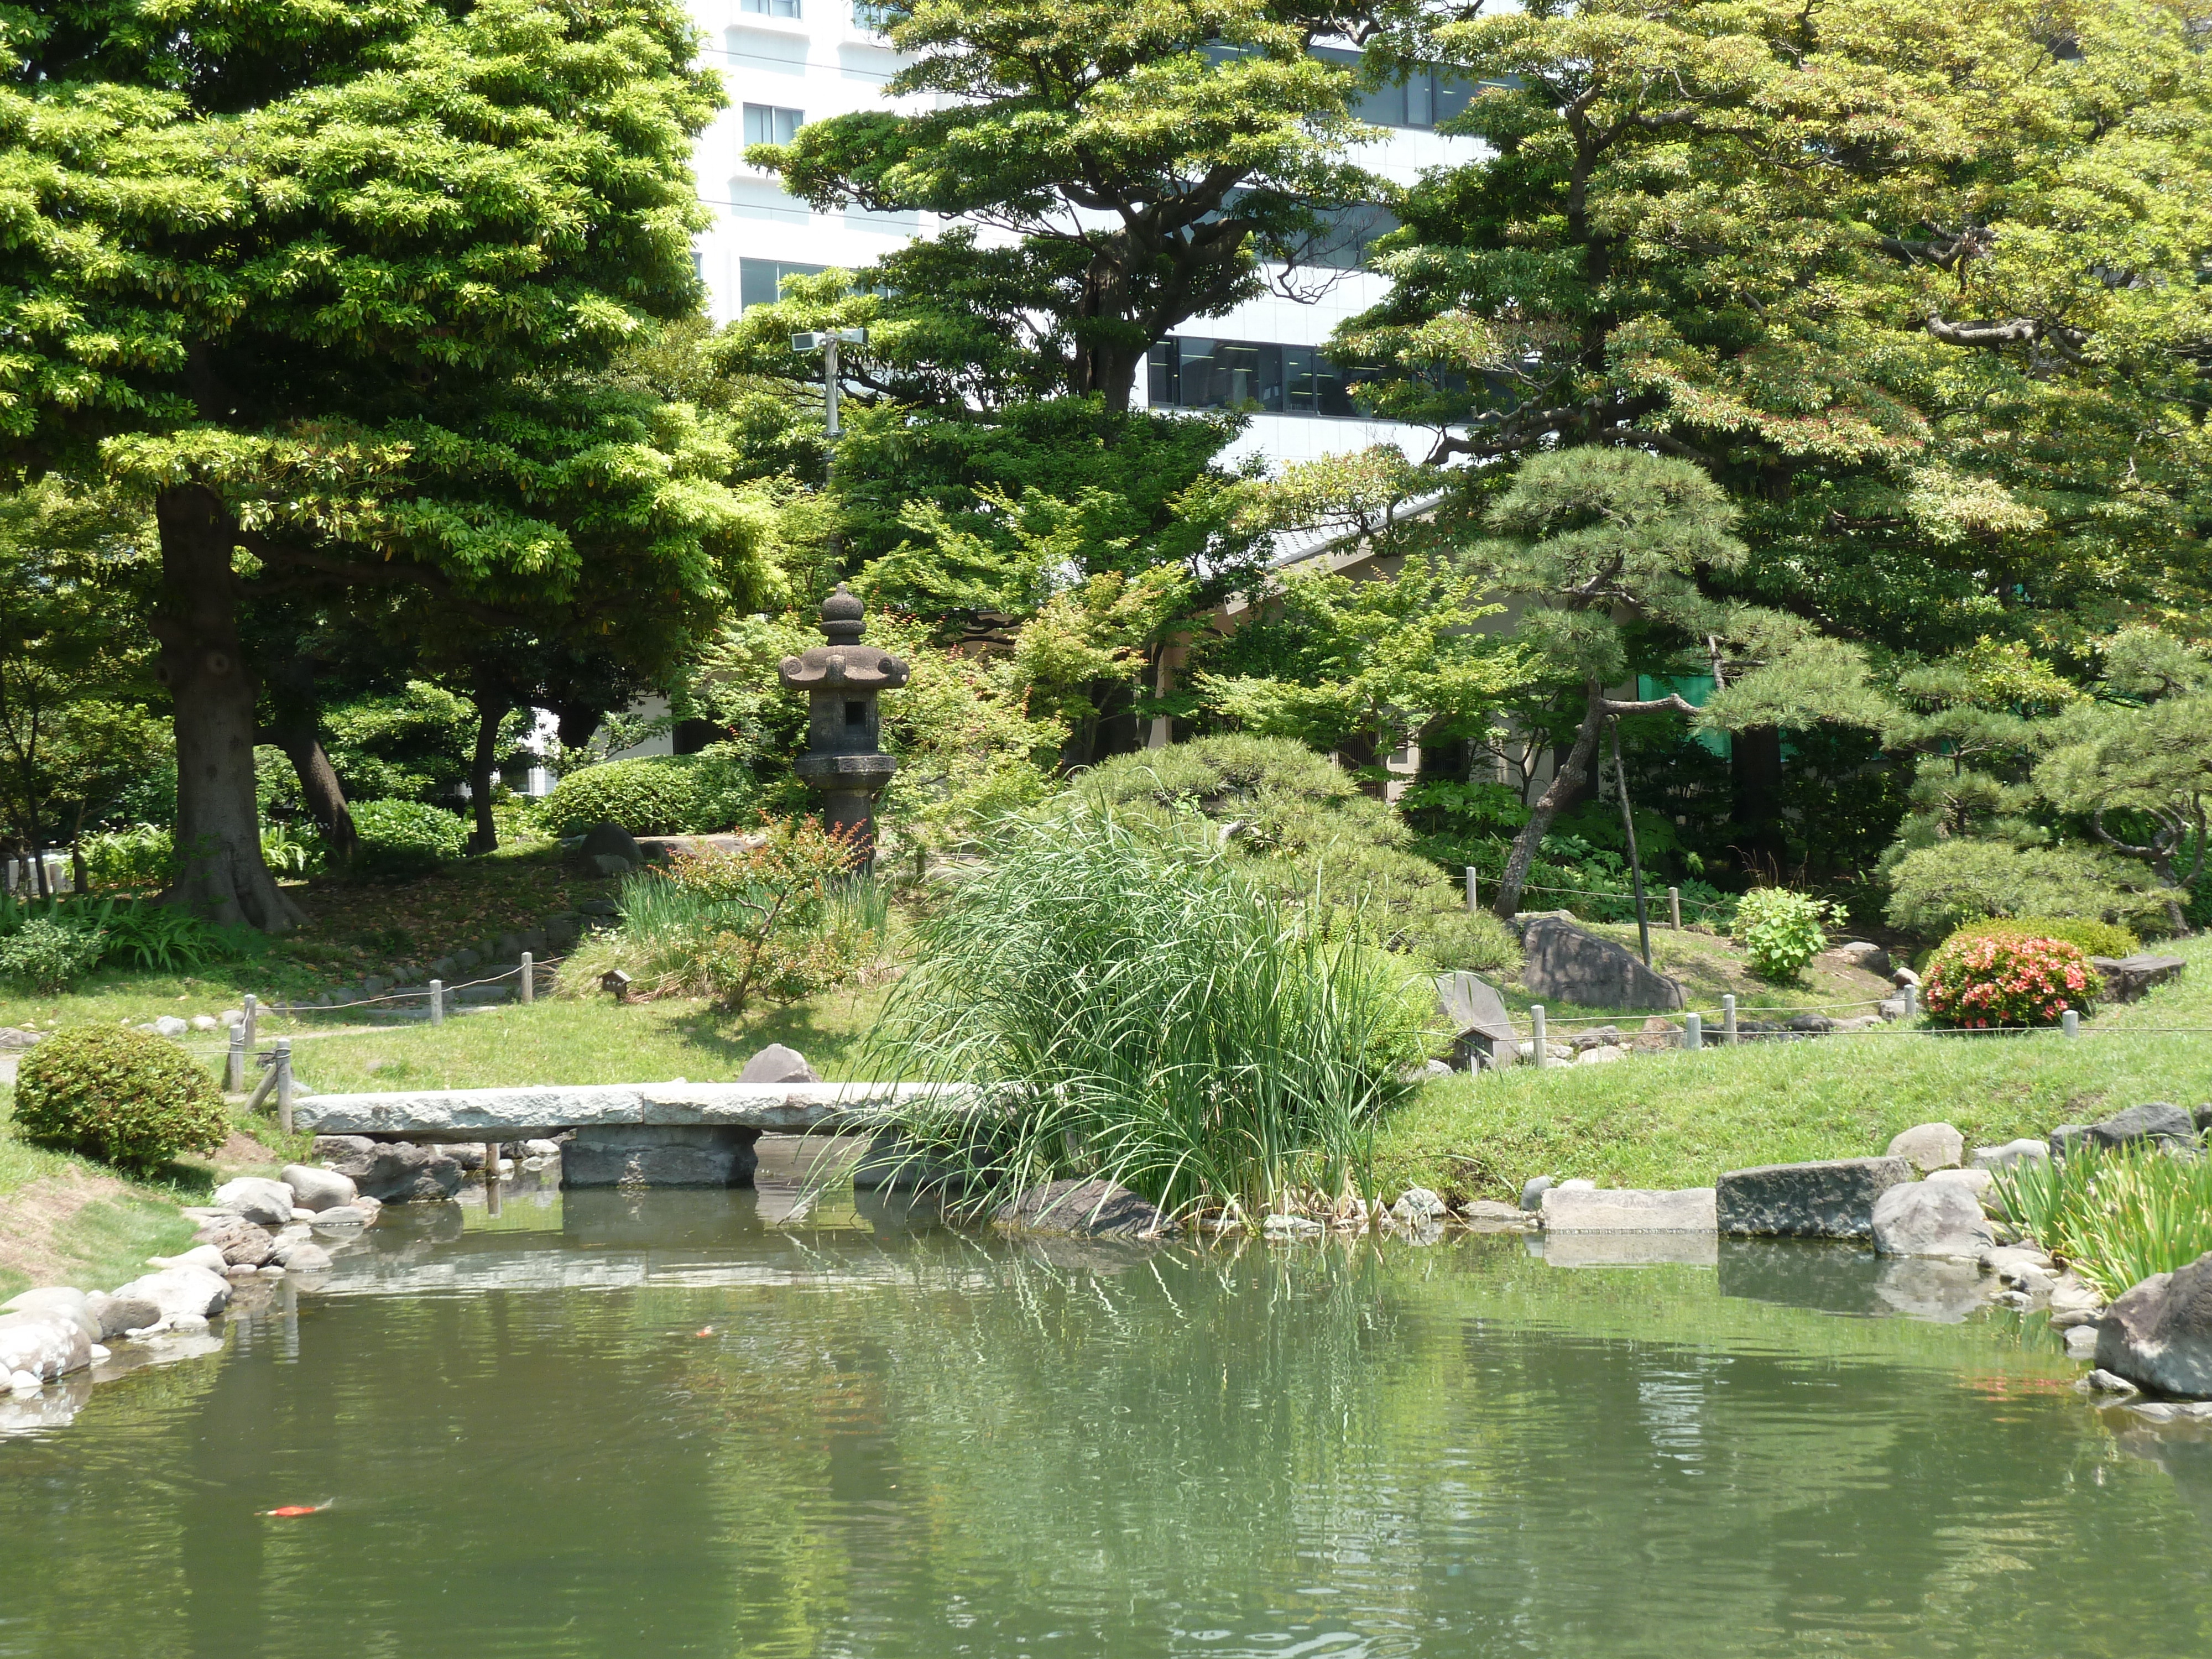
(788, 61)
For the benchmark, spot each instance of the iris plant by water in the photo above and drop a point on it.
(651, 1424)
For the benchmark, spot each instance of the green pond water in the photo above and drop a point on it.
(651, 1424)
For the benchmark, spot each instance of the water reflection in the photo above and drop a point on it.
(661, 1423)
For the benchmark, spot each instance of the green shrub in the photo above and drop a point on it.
(1471, 940)
(2007, 980)
(141, 859)
(774, 923)
(402, 838)
(124, 1098)
(2095, 939)
(1935, 890)
(1781, 930)
(1149, 1014)
(47, 956)
(2117, 1217)
(657, 795)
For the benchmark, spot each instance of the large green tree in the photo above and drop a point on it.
(1918, 282)
(1130, 165)
(336, 288)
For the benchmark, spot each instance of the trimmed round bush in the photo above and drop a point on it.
(406, 837)
(653, 795)
(126, 1097)
(2095, 939)
(1984, 982)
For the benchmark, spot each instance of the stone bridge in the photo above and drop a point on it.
(667, 1134)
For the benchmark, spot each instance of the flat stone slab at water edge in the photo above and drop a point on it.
(1629, 1210)
(1833, 1199)
(521, 1113)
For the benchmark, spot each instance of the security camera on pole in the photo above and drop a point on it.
(826, 343)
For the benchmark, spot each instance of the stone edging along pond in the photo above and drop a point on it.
(1923, 1198)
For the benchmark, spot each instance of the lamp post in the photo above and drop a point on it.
(841, 681)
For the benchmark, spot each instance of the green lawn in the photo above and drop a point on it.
(1678, 1119)
(78, 1222)
(586, 1040)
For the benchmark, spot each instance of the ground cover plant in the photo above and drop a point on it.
(1781, 930)
(2118, 1215)
(1148, 1013)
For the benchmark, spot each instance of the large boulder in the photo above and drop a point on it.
(391, 1171)
(2159, 1335)
(2158, 1120)
(1930, 1217)
(174, 1290)
(1867, 959)
(1833, 1199)
(119, 1315)
(244, 1244)
(1082, 1209)
(268, 1202)
(46, 1346)
(1628, 1210)
(2012, 1152)
(2127, 978)
(57, 1303)
(1482, 1030)
(608, 850)
(1930, 1146)
(318, 1189)
(1565, 964)
(777, 1064)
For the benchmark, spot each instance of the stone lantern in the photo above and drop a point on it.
(841, 681)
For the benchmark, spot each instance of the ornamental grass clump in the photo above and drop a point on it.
(1135, 1007)
(2117, 1217)
(1995, 983)
(124, 1098)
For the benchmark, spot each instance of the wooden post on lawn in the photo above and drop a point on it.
(1536, 1027)
(234, 1063)
(437, 1002)
(2070, 1022)
(529, 978)
(252, 1008)
(1727, 1020)
(1473, 889)
(284, 1064)
(1694, 1032)
(1674, 909)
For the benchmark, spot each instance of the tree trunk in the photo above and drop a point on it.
(320, 790)
(291, 695)
(490, 711)
(220, 874)
(1572, 773)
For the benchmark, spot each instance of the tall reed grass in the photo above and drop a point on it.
(1137, 1008)
(2119, 1216)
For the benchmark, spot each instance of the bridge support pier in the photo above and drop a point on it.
(660, 1155)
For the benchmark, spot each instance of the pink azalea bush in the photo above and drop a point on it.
(2028, 980)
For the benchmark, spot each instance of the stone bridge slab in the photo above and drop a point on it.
(522, 1114)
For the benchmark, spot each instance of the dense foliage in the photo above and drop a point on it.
(2007, 980)
(1781, 930)
(2117, 1218)
(126, 1097)
(1148, 1014)
(401, 838)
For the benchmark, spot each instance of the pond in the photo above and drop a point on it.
(653, 1423)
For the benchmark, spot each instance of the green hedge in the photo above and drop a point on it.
(405, 837)
(122, 1096)
(655, 795)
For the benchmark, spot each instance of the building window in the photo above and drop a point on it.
(1192, 372)
(760, 281)
(767, 124)
(874, 18)
(771, 7)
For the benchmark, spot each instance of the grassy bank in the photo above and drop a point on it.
(1678, 1119)
(69, 1220)
(586, 1040)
